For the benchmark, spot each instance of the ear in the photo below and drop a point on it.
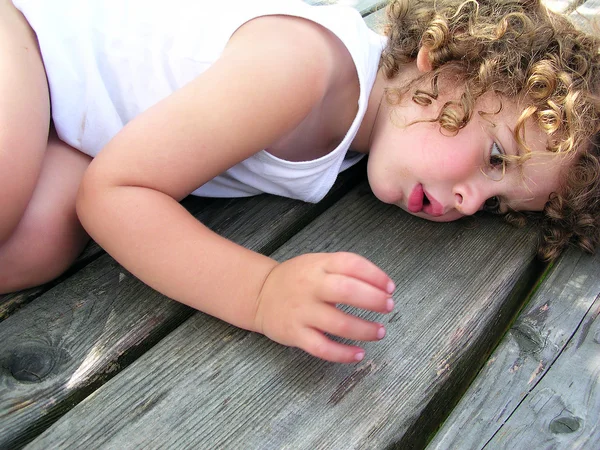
(423, 63)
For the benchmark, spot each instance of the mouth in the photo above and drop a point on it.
(421, 201)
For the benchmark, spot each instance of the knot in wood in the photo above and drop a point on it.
(528, 338)
(565, 424)
(32, 365)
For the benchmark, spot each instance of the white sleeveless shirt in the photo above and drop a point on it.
(109, 60)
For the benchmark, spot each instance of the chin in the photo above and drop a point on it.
(450, 217)
(441, 218)
(385, 195)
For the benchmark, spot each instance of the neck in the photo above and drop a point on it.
(362, 141)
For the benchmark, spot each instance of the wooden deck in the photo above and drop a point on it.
(99, 360)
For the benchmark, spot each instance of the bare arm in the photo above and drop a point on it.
(257, 92)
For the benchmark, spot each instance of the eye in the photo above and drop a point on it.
(492, 205)
(497, 156)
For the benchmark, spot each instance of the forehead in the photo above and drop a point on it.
(513, 115)
(538, 172)
(533, 172)
(530, 185)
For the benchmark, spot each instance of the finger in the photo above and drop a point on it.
(356, 266)
(344, 289)
(331, 320)
(319, 345)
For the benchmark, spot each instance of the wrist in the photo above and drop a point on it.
(260, 304)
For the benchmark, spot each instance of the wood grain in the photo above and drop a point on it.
(585, 16)
(533, 346)
(59, 348)
(562, 410)
(364, 6)
(42, 376)
(9, 303)
(210, 385)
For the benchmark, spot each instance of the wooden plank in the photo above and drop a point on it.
(536, 340)
(377, 20)
(364, 6)
(31, 408)
(210, 385)
(59, 348)
(532, 347)
(586, 16)
(563, 409)
(9, 303)
(563, 6)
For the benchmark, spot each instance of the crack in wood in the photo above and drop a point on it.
(349, 383)
(585, 328)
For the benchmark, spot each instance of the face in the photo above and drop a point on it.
(443, 178)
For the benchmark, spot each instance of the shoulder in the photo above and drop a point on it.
(307, 51)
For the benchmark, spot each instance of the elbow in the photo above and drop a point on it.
(88, 204)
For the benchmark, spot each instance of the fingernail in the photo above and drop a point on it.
(359, 356)
(391, 287)
(390, 305)
(381, 333)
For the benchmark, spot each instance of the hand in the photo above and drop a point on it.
(297, 303)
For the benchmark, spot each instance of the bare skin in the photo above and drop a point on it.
(24, 115)
(40, 234)
(132, 214)
(443, 177)
(49, 235)
(128, 197)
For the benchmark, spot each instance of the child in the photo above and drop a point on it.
(465, 106)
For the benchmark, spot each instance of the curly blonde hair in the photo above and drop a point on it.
(519, 50)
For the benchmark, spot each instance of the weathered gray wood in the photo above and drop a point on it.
(563, 6)
(9, 303)
(30, 408)
(364, 6)
(47, 403)
(533, 347)
(376, 20)
(586, 16)
(59, 348)
(563, 410)
(210, 385)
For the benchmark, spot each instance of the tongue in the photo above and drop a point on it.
(415, 201)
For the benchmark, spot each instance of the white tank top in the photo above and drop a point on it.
(109, 60)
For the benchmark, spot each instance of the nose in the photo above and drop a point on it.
(468, 201)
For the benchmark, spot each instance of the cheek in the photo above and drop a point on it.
(428, 154)
(384, 182)
(450, 161)
(447, 164)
